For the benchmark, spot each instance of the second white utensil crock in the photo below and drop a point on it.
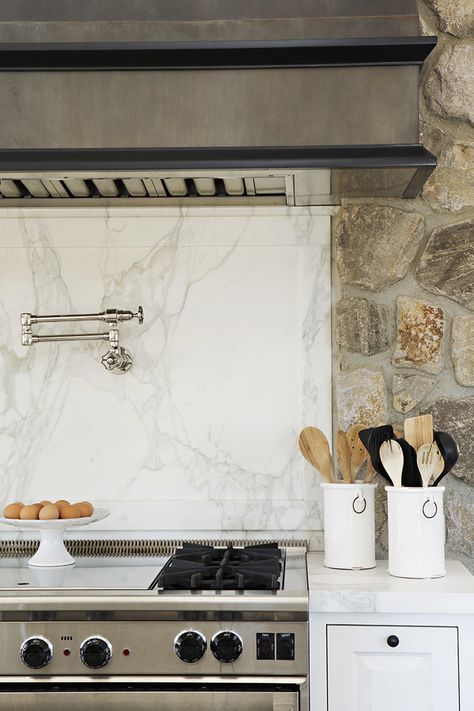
(416, 531)
(349, 525)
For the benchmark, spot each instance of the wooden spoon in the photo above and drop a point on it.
(428, 463)
(370, 473)
(344, 456)
(439, 463)
(315, 449)
(419, 430)
(391, 456)
(357, 450)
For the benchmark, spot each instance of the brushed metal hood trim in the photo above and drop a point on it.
(119, 56)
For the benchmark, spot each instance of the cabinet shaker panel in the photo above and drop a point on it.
(385, 668)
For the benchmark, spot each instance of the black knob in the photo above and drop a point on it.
(36, 652)
(96, 652)
(226, 646)
(190, 646)
(393, 641)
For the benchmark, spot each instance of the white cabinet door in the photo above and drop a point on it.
(419, 672)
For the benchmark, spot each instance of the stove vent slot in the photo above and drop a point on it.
(106, 187)
(125, 548)
(205, 186)
(135, 187)
(77, 187)
(35, 188)
(234, 186)
(9, 189)
(154, 187)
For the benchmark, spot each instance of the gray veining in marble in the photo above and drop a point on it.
(232, 360)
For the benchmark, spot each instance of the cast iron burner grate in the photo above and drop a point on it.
(195, 567)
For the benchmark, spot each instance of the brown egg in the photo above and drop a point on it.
(86, 508)
(77, 509)
(49, 512)
(38, 506)
(13, 510)
(61, 501)
(45, 502)
(29, 513)
(69, 511)
(61, 506)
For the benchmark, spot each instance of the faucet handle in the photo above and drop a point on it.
(117, 360)
(114, 316)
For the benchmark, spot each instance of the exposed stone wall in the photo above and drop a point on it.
(404, 318)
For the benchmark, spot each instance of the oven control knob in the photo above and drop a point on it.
(226, 646)
(96, 652)
(190, 646)
(36, 652)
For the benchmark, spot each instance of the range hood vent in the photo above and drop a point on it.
(210, 102)
(171, 190)
(301, 175)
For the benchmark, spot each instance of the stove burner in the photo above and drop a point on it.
(195, 567)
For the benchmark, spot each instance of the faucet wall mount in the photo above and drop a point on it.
(117, 359)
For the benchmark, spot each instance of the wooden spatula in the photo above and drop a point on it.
(315, 449)
(419, 430)
(357, 450)
(344, 456)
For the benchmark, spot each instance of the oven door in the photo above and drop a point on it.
(149, 697)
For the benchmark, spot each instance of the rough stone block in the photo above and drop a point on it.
(361, 397)
(447, 264)
(457, 418)
(381, 522)
(361, 326)
(455, 16)
(420, 334)
(460, 522)
(463, 350)
(409, 389)
(449, 87)
(450, 189)
(458, 155)
(375, 245)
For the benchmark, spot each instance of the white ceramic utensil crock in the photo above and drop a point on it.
(416, 531)
(349, 525)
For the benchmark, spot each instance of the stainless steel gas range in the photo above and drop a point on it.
(208, 629)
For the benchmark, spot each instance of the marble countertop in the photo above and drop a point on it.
(376, 591)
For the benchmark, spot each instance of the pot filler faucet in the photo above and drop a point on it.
(117, 359)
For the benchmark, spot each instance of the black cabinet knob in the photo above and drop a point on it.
(393, 641)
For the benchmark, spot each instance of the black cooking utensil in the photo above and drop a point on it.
(372, 438)
(364, 436)
(449, 451)
(411, 474)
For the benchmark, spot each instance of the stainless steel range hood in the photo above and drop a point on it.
(297, 102)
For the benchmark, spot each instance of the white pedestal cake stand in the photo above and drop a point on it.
(51, 551)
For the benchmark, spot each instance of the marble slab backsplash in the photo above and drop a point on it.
(233, 358)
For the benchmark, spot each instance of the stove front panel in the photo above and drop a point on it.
(152, 648)
(180, 699)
